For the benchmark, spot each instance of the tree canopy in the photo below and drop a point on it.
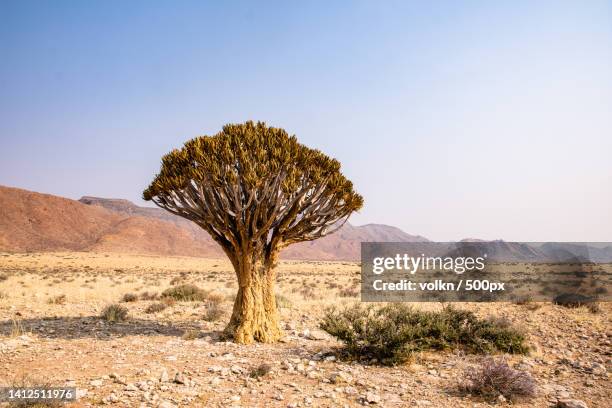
(255, 189)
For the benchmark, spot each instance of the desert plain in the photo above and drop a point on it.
(174, 355)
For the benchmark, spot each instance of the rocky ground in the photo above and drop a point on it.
(50, 332)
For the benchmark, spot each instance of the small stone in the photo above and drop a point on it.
(350, 390)
(163, 377)
(179, 378)
(236, 369)
(598, 369)
(235, 398)
(131, 387)
(340, 377)
(315, 335)
(501, 398)
(372, 398)
(95, 383)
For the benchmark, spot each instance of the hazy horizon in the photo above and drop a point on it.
(453, 120)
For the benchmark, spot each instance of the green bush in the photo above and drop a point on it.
(391, 333)
(186, 292)
(114, 313)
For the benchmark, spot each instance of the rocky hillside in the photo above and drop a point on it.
(32, 221)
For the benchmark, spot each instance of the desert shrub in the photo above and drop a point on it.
(215, 297)
(168, 301)
(391, 333)
(57, 300)
(186, 293)
(572, 300)
(260, 371)
(129, 297)
(213, 312)
(494, 378)
(282, 301)
(522, 300)
(114, 313)
(17, 328)
(307, 292)
(149, 296)
(26, 381)
(349, 292)
(155, 308)
(594, 308)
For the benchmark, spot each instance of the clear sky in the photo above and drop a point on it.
(454, 119)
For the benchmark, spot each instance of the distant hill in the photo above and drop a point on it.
(32, 221)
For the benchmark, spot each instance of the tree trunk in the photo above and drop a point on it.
(255, 316)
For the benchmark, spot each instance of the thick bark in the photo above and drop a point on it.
(255, 316)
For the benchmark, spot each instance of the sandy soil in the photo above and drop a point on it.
(50, 331)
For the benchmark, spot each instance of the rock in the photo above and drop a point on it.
(163, 377)
(571, 403)
(236, 369)
(116, 378)
(179, 378)
(598, 369)
(501, 399)
(372, 398)
(350, 390)
(131, 388)
(340, 377)
(235, 398)
(95, 383)
(315, 335)
(166, 404)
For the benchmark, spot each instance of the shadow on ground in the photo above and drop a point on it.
(73, 327)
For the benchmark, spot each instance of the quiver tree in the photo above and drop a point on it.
(256, 190)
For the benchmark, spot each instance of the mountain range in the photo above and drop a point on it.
(35, 222)
(31, 221)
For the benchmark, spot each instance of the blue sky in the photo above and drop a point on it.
(454, 119)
